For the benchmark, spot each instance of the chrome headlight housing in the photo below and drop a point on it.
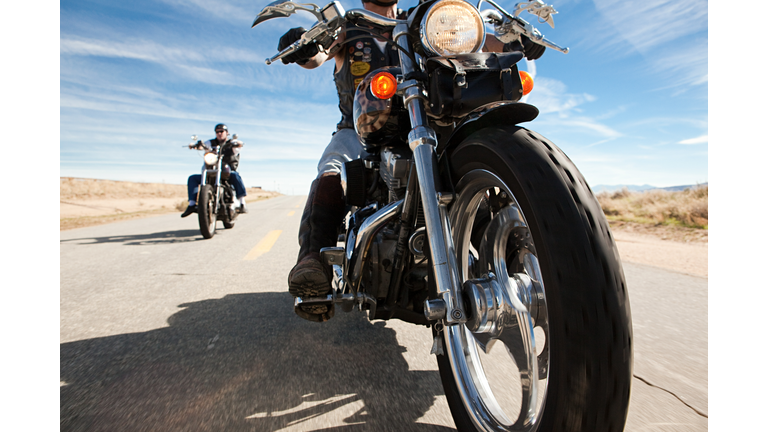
(452, 27)
(211, 158)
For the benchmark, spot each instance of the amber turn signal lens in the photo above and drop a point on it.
(527, 81)
(383, 85)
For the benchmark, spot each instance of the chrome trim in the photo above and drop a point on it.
(359, 244)
(421, 136)
(503, 308)
(376, 19)
(438, 234)
(416, 242)
(343, 178)
(434, 310)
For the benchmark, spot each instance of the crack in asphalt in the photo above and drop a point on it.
(678, 397)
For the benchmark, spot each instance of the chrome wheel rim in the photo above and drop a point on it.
(503, 385)
(211, 212)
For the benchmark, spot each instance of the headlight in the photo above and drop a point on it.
(210, 158)
(452, 27)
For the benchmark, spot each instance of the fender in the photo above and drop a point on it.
(506, 113)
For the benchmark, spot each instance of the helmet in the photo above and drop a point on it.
(220, 126)
(376, 120)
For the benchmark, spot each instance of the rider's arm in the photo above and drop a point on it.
(492, 44)
(531, 50)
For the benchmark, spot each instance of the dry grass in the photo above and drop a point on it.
(111, 201)
(88, 189)
(686, 209)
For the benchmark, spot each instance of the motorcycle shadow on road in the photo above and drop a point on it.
(245, 362)
(164, 237)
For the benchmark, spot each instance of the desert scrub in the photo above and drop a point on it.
(688, 208)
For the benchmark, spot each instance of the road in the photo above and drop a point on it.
(162, 330)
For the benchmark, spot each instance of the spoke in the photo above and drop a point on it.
(502, 283)
(520, 345)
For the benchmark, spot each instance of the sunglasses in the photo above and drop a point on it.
(220, 131)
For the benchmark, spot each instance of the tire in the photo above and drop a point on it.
(550, 231)
(228, 199)
(206, 211)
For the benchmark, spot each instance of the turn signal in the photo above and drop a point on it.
(527, 80)
(383, 85)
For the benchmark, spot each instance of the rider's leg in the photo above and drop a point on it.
(237, 182)
(323, 214)
(193, 184)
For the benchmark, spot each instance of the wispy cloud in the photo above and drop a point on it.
(134, 49)
(687, 66)
(552, 96)
(219, 9)
(652, 23)
(698, 140)
(559, 107)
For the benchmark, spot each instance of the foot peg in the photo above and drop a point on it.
(314, 301)
(332, 255)
(318, 309)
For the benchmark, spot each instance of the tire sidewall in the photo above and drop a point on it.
(207, 226)
(583, 279)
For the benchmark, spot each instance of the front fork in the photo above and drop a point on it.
(423, 142)
(204, 181)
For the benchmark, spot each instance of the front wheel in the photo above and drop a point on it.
(206, 211)
(547, 344)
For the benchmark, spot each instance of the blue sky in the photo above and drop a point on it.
(628, 104)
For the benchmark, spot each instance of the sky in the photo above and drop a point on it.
(628, 104)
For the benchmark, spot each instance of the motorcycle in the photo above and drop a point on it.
(478, 228)
(216, 198)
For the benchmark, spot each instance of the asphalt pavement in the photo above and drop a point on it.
(163, 330)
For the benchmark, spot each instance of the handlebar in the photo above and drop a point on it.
(509, 28)
(332, 18)
(199, 145)
(330, 22)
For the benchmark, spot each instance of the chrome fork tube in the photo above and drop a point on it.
(218, 185)
(422, 141)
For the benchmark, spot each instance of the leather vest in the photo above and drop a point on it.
(361, 56)
(230, 158)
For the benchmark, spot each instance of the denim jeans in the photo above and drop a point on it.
(193, 183)
(345, 146)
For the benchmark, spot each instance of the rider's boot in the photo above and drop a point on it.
(323, 214)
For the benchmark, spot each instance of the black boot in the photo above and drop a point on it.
(320, 222)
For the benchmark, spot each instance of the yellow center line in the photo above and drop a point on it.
(264, 245)
(291, 213)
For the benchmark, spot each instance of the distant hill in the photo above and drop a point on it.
(635, 188)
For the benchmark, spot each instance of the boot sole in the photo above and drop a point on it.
(311, 282)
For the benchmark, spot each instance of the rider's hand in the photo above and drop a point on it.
(531, 49)
(302, 55)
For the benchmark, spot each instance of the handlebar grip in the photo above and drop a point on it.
(549, 44)
(290, 49)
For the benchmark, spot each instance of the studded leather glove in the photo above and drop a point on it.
(531, 50)
(301, 56)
